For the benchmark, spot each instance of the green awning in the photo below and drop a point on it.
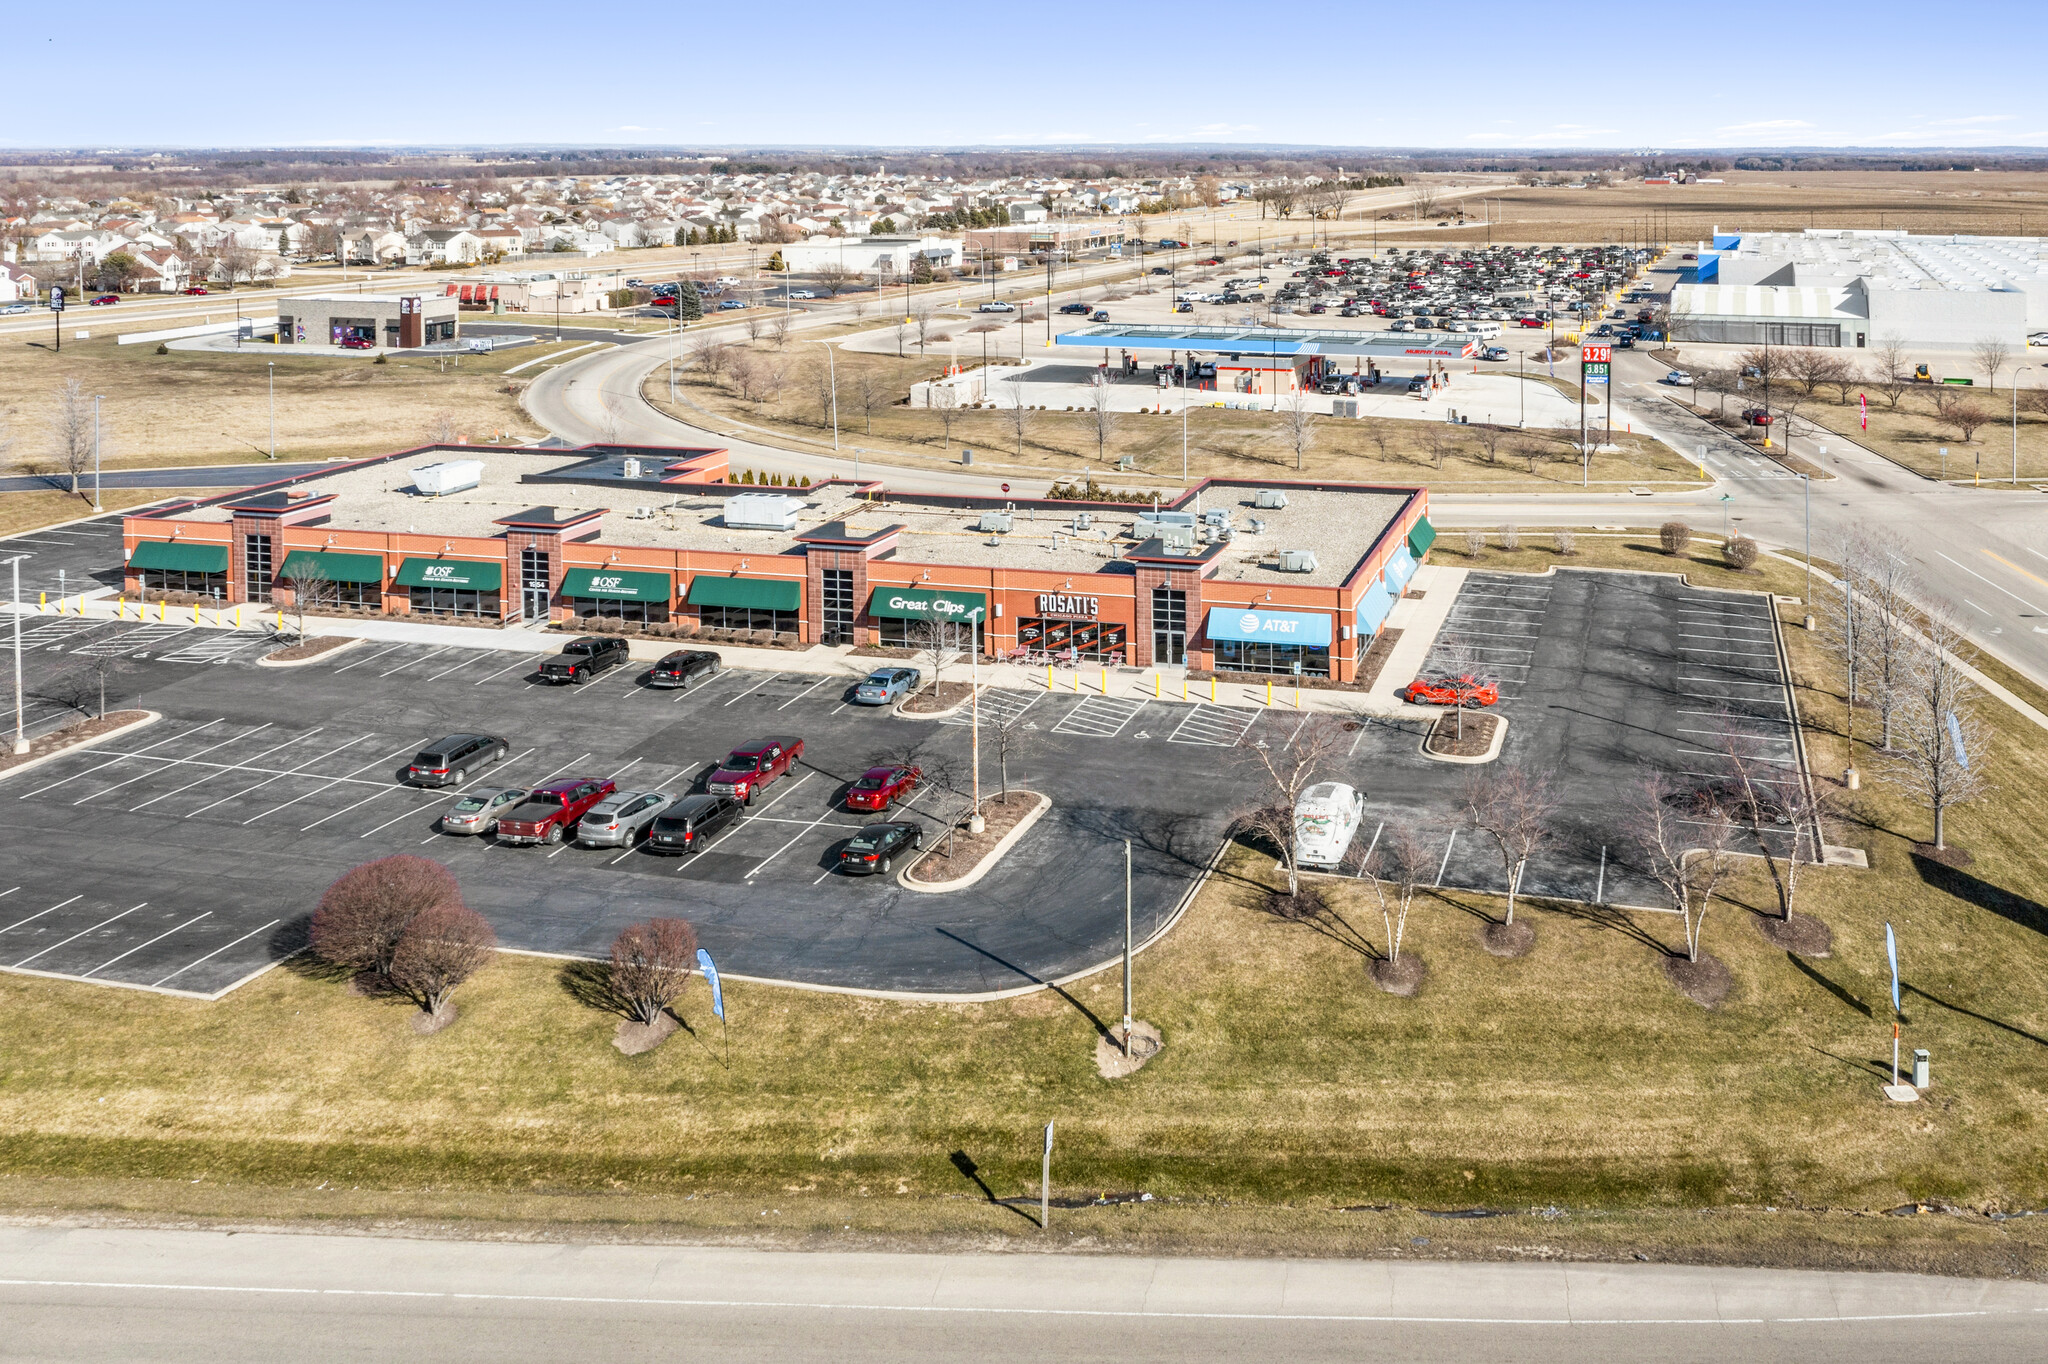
(334, 566)
(1421, 536)
(466, 574)
(617, 584)
(172, 557)
(755, 594)
(924, 603)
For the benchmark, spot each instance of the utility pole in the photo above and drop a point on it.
(1044, 1181)
(96, 452)
(272, 364)
(1127, 947)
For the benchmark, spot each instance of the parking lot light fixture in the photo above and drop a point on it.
(20, 739)
(2015, 426)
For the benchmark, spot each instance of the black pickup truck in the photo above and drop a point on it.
(583, 659)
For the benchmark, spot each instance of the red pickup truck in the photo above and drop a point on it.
(547, 815)
(754, 765)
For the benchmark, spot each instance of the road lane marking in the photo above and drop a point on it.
(1994, 586)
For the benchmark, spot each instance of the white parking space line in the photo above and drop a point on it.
(746, 690)
(1716, 753)
(141, 753)
(369, 658)
(997, 707)
(1487, 634)
(560, 770)
(622, 771)
(394, 756)
(9, 891)
(1100, 717)
(139, 946)
(171, 762)
(413, 662)
(793, 841)
(214, 647)
(394, 819)
(39, 914)
(523, 661)
(1216, 726)
(218, 769)
(805, 692)
(1729, 681)
(469, 656)
(288, 772)
(216, 952)
(79, 934)
(772, 804)
(1755, 777)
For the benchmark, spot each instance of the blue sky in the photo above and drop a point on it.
(1587, 75)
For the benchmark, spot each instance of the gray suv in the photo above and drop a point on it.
(620, 820)
(449, 761)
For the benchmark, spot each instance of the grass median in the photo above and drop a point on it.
(1290, 1089)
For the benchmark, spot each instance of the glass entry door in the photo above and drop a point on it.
(1169, 626)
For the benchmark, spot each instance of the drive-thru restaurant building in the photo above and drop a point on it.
(1272, 578)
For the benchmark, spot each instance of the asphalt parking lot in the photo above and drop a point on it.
(81, 557)
(186, 855)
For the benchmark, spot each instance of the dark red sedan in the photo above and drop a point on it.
(881, 787)
(105, 299)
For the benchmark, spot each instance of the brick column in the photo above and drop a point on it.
(1149, 576)
(517, 542)
(817, 559)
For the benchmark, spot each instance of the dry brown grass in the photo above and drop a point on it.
(26, 511)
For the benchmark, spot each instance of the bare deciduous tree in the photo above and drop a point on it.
(311, 590)
(1017, 416)
(1011, 738)
(1942, 743)
(870, 392)
(71, 431)
(1490, 438)
(946, 403)
(1767, 799)
(1960, 415)
(779, 325)
(1298, 426)
(444, 945)
(1565, 541)
(923, 317)
(651, 964)
(835, 279)
(1274, 776)
(1398, 866)
(1517, 810)
(712, 356)
(362, 915)
(1990, 355)
(1681, 843)
(1102, 417)
(1891, 373)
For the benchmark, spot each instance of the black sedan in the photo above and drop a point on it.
(876, 845)
(684, 668)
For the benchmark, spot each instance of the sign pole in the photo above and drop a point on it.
(1045, 1181)
(1127, 947)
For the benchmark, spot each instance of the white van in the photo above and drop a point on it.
(1489, 330)
(1325, 821)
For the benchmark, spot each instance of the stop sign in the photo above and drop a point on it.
(1006, 487)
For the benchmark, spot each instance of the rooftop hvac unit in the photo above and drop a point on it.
(997, 522)
(641, 514)
(1297, 561)
(631, 468)
(1258, 525)
(1082, 520)
(449, 476)
(1270, 499)
(1177, 539)
(1157, 522)
(761, 511)
(1216, 516)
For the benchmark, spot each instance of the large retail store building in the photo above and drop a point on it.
(1265, 577)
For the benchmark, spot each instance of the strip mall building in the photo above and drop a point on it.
(1270, 577)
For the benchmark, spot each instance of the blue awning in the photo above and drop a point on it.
(1400, 568)
(1269, 627)
(1373, 608)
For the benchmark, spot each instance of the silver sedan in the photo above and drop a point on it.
(620, 820)
(478, 811)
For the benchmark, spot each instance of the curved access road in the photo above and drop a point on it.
(89, 1294)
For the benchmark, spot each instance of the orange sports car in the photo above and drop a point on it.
(1464, 690)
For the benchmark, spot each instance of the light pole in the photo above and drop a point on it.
(272, 366)
(1806, 496)
(832, 372)
(2016, 424)
(975, 823)
(20, 740)
(96, 452)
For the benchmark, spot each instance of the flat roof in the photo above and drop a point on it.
(1339, 523)
(1272, 340)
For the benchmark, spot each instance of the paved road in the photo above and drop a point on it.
(89, 1294)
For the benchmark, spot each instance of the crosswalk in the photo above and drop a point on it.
(1220, 726)
(1100, 717)
(998, 708)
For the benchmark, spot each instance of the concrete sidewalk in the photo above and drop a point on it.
(1418, 620)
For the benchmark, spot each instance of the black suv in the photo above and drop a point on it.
(1080, 308)
(449, 761)
(689, 824)
(583, 659)
(684, 668)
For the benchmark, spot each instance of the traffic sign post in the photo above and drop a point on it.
(57, 314)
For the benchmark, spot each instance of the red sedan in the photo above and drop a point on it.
(105, 299)
(1756, 416)
(1531, 321)
(1464, 690)
(195, 289)
(881, 787)
(357, 343)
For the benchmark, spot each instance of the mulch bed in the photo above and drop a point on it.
(634, 1037)
(1951, 856)
(77, 732)
(1376, 657)
(1803, 936)
(1403, 977)
(427, 1024)
(1508, 940)
(1111, 1061)
(1705, 982)
(880, 651)
(1443, 735)
(944, 696)
(309, 648)
(969, 849)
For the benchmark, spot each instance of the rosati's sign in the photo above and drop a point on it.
(927, 604)
(1059, 604)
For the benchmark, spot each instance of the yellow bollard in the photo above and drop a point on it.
(120, 607)
(280, 618)
(161, 608)
(42, 602)
(238, 615)
(1183, 687)
(1077, 681)
(195, 613)
(1155, 686)
(1212, 689)
(1048, 677)
(1269, 692)
(1105, 681)
(1297, 696)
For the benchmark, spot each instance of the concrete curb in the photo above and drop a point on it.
(348, 642)
(995, 855)
(1500, 734)
(901, 714)
(149, 718)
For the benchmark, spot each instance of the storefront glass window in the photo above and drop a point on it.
(1247, 656)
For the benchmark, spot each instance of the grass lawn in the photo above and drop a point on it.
(1912, 436)
(205, 407)
(1295, 1108)
(1221, 442)
(27, 511)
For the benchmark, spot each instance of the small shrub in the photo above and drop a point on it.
(1675, 536)
(381, 360)
(442, 947)
(1475, 542)
(651, 963)
(366, 910)
(162, 349)
(1510, 537)
(1567, 541)
(1740, 552)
